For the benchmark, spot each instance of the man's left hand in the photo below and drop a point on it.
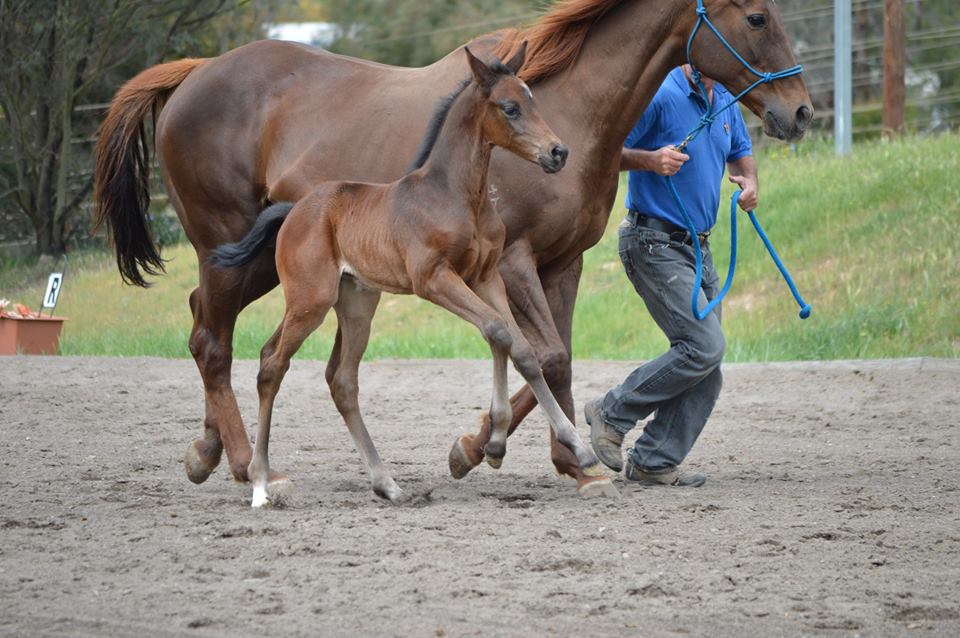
(749, 197)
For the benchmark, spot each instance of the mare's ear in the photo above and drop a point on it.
(481, 72)
(516, 62)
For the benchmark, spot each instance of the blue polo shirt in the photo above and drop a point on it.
(675, 109)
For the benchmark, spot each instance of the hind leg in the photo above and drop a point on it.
(303, 315)
(215, 305)
(355, 309)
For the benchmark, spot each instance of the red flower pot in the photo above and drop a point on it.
(33, 335)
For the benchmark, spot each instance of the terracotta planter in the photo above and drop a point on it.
(30, 336)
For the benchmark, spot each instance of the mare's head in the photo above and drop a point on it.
(511, 119)
(755, 30)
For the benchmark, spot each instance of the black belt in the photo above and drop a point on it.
(676, 233)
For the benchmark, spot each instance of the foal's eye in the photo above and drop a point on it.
(757, 20)
(511, 110)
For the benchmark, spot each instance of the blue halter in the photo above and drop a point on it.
(706, 120)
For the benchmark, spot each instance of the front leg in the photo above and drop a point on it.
(584, 466)
(535, 316)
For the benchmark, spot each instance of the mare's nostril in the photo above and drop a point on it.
(804, 115)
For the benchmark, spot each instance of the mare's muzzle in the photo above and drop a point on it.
(788, 129)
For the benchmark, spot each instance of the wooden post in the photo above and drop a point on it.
(894, 64)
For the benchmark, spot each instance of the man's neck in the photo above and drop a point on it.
(697, 89)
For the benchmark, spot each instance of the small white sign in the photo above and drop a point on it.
(53, 290)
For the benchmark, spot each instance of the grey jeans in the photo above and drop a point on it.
(681, 385)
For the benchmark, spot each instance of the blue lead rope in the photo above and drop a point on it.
(705, 121)
(698, 277)
(804, 306)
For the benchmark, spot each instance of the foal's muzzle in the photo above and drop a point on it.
(556, 160)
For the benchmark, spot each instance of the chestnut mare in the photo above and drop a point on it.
(268, 121)
(434, 233)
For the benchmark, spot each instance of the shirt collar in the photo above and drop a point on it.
(680, 79)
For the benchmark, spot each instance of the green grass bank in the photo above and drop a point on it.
(868, 239)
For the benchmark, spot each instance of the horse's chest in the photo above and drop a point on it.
(478, 246)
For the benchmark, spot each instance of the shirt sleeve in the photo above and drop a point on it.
(642, 133)
(740, 143)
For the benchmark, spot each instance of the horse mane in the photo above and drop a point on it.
(555, 40)
(439, 116)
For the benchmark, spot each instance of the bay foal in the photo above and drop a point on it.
(433, 233)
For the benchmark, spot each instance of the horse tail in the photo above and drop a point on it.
(244, 251)
(122, 194)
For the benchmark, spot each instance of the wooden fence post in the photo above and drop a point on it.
(894, 65)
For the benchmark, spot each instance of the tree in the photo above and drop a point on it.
(58, 55)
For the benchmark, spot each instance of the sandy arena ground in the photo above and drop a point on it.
(832, 509)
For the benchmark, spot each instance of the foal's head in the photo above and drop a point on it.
(510, 116)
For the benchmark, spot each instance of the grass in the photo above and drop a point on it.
(868, 239)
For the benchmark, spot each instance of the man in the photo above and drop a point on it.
(681, 386)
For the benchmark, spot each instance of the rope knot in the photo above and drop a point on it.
(768, 77)
(702, 11)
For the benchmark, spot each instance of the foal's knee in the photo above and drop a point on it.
(498, 335)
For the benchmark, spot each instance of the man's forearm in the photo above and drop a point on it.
(743, 173)
(744, 167)
(663, 161)
(635, 159)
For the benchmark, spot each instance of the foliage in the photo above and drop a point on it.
(418, 32)
(61, 56)
(868, 239)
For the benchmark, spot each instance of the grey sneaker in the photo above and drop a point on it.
(604, 438)
(671, 476)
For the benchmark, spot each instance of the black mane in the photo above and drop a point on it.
(436, 124)
(440, 113)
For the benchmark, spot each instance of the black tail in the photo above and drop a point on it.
(246, 250)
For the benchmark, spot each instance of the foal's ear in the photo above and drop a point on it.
(481, 72)
(516, 62)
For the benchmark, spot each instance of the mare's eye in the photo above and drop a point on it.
(757, 20)
(511, 110)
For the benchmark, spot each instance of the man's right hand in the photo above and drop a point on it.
(664, 161)
(667, 161)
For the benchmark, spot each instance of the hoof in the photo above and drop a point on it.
(595, 470)
(494, 453)
(388, 490)
(598, 488)
(460, 462)
(281, 489)
(277, 492)
(199, 467)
